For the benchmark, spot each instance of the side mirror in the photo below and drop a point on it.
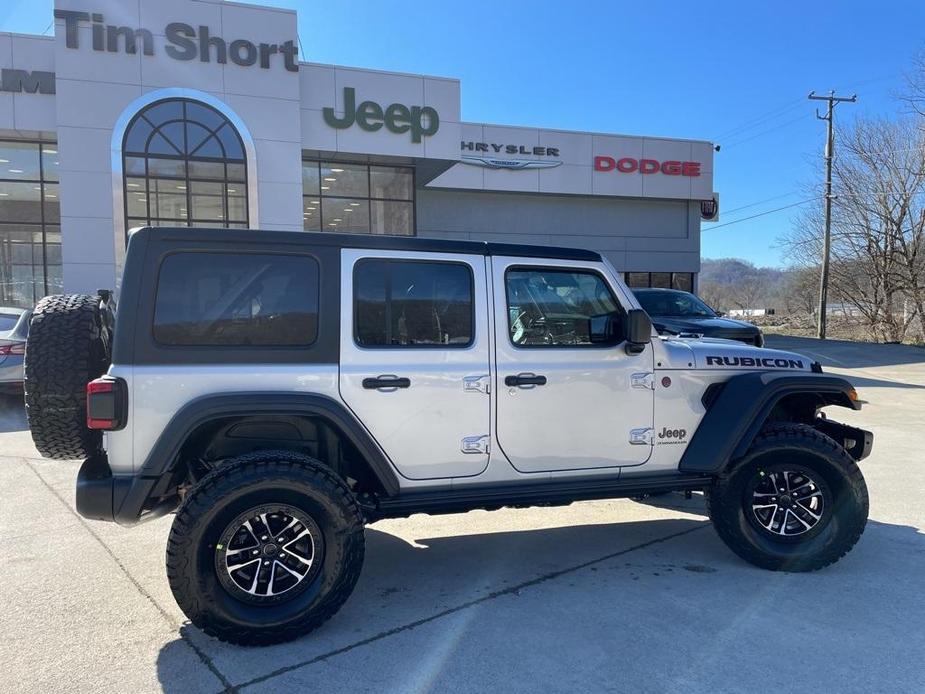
(638, 330)
(604, 329)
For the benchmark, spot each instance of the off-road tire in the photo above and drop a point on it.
(68, 346)
(843, 523)
(250, 480)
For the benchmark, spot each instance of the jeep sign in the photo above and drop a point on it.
(420, 121)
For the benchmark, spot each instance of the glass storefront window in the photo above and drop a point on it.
(391, 217)
(345, 214)
(357, 198)
(184, 165)
(20, 161)
(663, 280)
(30, 238)
(391, 183)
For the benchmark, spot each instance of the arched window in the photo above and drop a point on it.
(184, 165)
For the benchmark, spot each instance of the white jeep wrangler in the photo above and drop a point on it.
(280, 390)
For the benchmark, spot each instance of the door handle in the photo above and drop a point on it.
(525, 380)
(382, 382)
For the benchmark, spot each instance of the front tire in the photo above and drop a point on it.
(265, 548)
(795, 502)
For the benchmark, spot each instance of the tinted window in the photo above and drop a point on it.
(406, 304)
(8, 322)
(237, 300)
(670, 303)
(549, 308)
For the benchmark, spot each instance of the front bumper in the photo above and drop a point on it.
(124, 499)
(858, 442)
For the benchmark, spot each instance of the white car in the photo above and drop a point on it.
(14, 329)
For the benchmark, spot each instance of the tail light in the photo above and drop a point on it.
(107, 403)
(12, 348)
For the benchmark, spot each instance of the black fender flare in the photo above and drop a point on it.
(735, 416)
(131, 495)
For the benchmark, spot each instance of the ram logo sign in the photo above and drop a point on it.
(34, 82)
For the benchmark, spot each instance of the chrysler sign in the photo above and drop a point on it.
(496, 162)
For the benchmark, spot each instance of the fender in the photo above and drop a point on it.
(737, 413)
(130, 495)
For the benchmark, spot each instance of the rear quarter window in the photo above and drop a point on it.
(237, 300)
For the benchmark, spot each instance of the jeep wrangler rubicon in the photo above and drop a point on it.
(279, 390)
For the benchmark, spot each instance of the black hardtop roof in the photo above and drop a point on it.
(371, 241)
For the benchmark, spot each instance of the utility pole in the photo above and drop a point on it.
(829, 117)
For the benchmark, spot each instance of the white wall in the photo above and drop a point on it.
(95, 88)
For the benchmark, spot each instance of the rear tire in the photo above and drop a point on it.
(795, 502)
(244, 584)
(68, 346)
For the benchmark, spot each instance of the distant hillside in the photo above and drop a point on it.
(728, 283)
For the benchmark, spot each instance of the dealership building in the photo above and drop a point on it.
(201, 113)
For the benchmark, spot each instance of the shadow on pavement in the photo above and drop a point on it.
(12, 414)
(851, 355)
(673, 592)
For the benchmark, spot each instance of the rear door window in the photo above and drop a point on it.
(403, 303)
(242, 300)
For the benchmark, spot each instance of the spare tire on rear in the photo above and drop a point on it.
(68, 346)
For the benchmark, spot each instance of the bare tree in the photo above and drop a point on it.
(878, 226)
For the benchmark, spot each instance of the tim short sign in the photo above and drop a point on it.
(647, 166)
(34, 82)
(420, 121)
(185, 42)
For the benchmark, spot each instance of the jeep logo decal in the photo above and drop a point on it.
(421, 121)
(769, 362)
(667, 433)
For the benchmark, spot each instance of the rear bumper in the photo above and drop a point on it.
(121, 499)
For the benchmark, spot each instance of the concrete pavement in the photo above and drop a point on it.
(598, 596)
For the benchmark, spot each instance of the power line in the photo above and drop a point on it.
(761, 214)
(769, 115)
(765, 132)
(760, 202)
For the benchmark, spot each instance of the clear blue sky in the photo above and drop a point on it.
(681, 69)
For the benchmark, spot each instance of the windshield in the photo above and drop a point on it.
(673, 303)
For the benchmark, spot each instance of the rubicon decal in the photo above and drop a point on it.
(647, 166)
(768, 362)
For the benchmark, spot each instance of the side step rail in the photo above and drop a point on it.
(524, 495)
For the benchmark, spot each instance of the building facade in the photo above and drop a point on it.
(200, 113)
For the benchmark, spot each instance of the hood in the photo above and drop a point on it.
(714, 326)
(717, 354)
